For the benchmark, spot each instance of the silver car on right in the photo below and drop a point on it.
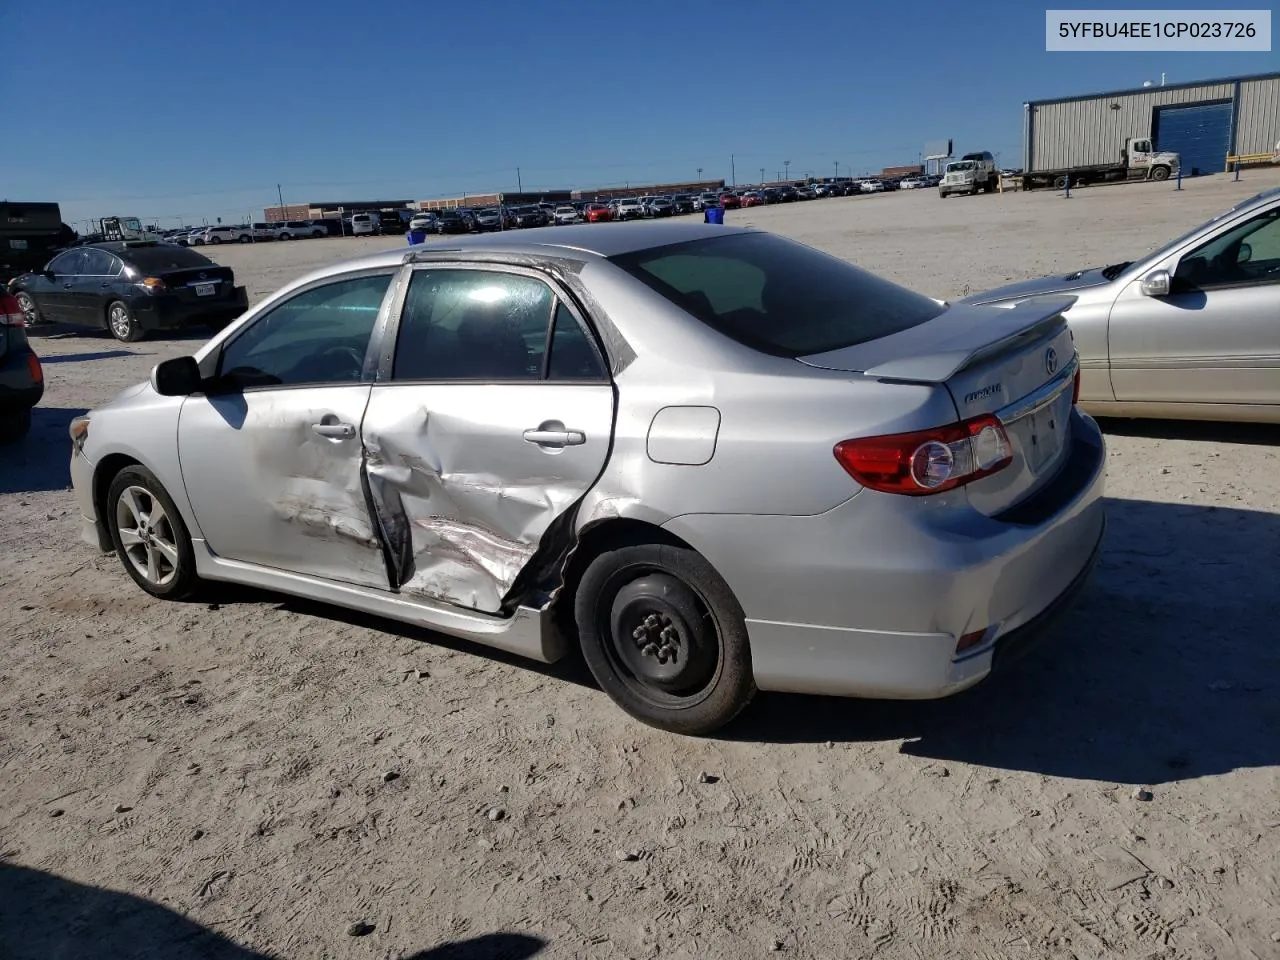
(1191, 331)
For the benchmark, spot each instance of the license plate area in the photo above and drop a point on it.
(206, 289)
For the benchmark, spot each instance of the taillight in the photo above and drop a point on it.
(153, 284)
(33, 366)
(11, 314)
(928, 461)
(1075, 387)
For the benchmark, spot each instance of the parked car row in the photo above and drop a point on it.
(246, 233)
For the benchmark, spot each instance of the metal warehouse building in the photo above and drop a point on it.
(1204, 122)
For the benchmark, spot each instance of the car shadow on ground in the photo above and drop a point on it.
(46, 360)
(570, 669)
(44, 916)
(39, 461)
(1166, 668)
(1254, 434)
(65, 331)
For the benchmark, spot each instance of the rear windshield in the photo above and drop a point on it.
(164, 257)
(778, 296)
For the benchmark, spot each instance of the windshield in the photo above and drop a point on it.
(959, 166)
(777, 296)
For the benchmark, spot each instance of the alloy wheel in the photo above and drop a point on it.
(147, 535)
(121, 323)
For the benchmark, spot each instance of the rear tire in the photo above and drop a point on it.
(149, 535)
(122, 323)
(665, 637)
(13, 427)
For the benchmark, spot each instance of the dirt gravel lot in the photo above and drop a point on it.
(252, 775)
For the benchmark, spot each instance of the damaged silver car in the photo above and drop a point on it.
(714, 459)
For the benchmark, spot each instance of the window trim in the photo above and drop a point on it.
(559, 295)
(211, 365)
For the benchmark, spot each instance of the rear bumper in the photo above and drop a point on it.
(168, 311)
(870, 599)
(18, 390)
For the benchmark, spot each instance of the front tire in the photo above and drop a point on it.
(149, 535)
(215, 240)
(30, 312)
(122, 323)
(665, 637)
(1159, 174)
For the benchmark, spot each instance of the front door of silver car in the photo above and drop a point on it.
(1215, 335)
(272, 458)
(492, 419)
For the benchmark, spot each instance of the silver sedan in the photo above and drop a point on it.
(1191, 331)
(713, 459)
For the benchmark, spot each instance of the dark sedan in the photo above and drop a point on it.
(131, 287)
(456, 221)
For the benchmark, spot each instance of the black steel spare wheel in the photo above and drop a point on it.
(665, 637)
(661, 637)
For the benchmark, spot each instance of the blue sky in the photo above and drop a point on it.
(188, 110)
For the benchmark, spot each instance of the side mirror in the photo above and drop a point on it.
(177, 377)
(1245, 254)
(1157, 283)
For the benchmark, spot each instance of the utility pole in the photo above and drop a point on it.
(837, 169)
(280, 197)
(786, 166)
(733, 171)
(762, 176)
(519, 183)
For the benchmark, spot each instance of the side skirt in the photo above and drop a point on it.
(527, 632)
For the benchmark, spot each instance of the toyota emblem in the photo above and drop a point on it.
(1051, 361)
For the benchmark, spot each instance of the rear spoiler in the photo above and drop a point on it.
(976, 338)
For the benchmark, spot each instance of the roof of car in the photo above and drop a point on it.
(599, 239)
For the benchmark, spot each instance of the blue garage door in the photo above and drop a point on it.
(1200, 134)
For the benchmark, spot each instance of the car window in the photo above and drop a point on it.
(70, 263)
(1246, 253)
(318, 336)
(98, 263)
(776, 295)
(573, 352)
(472, 325)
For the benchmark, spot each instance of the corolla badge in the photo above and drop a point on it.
(1051, 361)
(990, 390)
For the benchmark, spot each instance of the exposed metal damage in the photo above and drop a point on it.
(455, 534)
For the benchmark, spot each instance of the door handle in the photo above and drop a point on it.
(549, 435)
(66, 286)
(335, 431)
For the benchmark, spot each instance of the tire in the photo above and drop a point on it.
(245, 238)
(215, 240)
(284, 236)
(1060, 183)
(14, 426)
(640, 602)
(30, 312)
(1160, 174)
(316, 234)
(133, 499)
(122, 323)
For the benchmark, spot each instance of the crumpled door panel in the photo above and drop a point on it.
(462, 499)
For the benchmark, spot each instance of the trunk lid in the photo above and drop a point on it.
(1017, 363)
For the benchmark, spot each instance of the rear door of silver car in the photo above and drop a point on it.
(492, 416)
(272, 459)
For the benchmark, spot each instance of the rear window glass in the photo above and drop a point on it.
(164, 257)
(778, 296)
